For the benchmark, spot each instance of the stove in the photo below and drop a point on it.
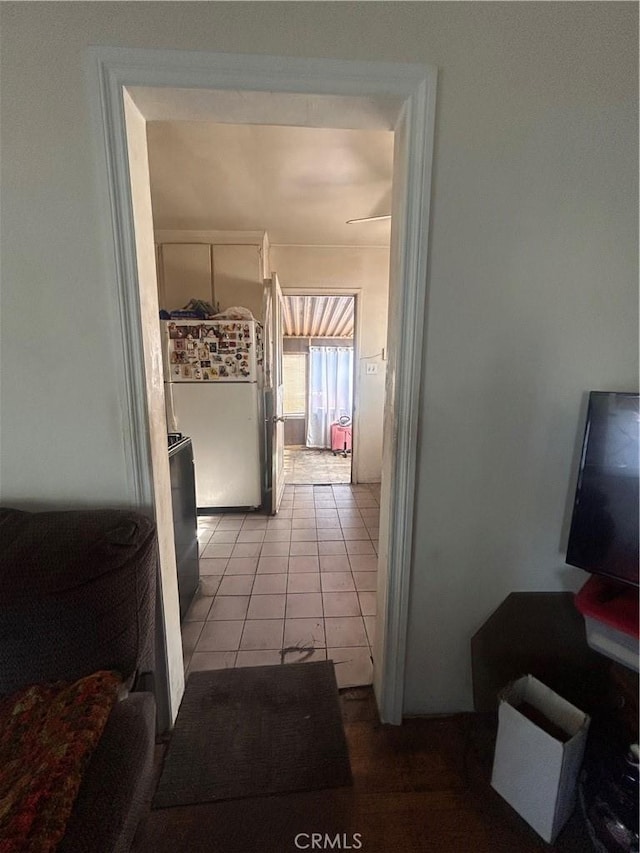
(185, 521)
(174, 438)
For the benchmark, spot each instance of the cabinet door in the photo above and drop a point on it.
(186, 274)
(238, 277)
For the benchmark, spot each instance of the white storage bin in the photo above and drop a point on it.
(534, 770)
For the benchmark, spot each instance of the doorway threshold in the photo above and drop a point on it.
(309, 466)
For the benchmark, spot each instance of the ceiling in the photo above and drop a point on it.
(318, 316)
(300, 184)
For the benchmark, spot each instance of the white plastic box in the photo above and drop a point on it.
(615, 644)
(535, 772)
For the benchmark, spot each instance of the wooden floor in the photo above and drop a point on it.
(422, 787)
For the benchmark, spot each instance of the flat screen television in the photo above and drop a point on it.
(603, 538)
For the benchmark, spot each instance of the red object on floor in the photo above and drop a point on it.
(340, 438)
(613, 604)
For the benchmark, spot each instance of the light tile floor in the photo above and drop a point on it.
(295, 587)
(306, 465)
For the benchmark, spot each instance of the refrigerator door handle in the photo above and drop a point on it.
(172, 422)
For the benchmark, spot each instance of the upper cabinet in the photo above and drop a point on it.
(224, 268)
(237, 277)
(185, 273)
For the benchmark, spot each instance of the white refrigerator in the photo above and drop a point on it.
(213, 392)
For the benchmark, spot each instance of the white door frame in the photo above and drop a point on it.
(112, 71)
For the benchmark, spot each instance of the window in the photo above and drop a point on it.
(294, 368)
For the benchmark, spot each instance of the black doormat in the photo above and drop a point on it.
(255, 731)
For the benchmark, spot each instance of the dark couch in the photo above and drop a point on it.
(77, 595)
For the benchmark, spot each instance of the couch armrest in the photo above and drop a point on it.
(117, 782)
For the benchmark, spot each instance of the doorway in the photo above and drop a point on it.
(319, 358)
(399, 97)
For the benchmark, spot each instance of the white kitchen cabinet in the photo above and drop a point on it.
(185, 274)
(226, 268)
(237, 277)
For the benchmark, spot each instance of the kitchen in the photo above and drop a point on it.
(220, 252)
(231, 203)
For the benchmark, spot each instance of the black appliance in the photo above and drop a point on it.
(185, 520)
(604, 528)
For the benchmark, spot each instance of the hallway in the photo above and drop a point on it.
(298, 586)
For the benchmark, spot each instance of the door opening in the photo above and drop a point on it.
(319, 387)
(399, 97)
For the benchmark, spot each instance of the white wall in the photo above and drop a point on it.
(312, 268)
(532, 280)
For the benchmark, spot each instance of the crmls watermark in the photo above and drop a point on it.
(324, 841)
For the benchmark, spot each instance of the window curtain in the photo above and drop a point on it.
(330, 391)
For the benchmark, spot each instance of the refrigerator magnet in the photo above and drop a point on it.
(197, 373)
(205, 375)
(205, 363)
(186, 371)
(175, 331)
(213, 347)
(215, 372)
(223, 370)
(179, 345)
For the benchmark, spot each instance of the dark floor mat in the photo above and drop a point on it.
(255, 731)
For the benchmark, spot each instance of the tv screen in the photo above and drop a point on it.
(604, 527)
